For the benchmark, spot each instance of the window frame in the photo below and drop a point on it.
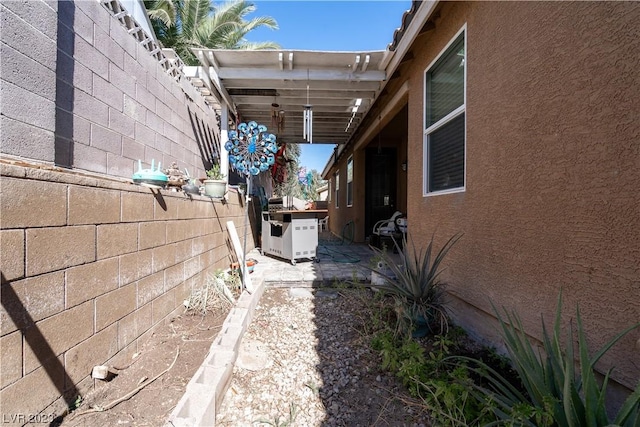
(336, 176)
(350, 182)
(462, 109)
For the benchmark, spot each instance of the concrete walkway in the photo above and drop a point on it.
(335, 261)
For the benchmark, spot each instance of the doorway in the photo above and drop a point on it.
(381, 186)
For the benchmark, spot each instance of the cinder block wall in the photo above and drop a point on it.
(89, 267)
(80, 91)
(91, 263)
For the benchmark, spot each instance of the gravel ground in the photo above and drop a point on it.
(305, 361)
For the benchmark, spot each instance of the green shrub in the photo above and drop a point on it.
(555, 392)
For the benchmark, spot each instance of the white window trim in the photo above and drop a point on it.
(350, 159)
(460, 110)
(337, 190)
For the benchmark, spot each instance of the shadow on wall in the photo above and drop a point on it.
(63, 145)
(36, 341)
(208, 141)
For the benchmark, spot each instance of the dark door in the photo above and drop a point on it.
(380, 187)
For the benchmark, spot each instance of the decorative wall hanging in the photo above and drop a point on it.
(251, 148)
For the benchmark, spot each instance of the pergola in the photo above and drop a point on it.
(274, 87)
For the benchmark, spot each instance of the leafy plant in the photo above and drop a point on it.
(555, 392)
(215, 173)
(415, 282)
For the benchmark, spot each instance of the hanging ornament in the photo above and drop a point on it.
(274, 114)
(251, 148)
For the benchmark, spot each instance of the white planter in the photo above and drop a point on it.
(215, 188)
(378, 279)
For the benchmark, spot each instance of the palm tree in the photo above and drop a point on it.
(185, 24)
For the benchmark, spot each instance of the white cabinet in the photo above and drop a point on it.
(290, 235)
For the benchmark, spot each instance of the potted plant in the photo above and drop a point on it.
(411, 277)
(215, 185)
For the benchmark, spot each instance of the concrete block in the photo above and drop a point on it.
(167, 212)
(120, 166)
(57, 334)
(81, 130)
(39, 80)
(150, 287)
(229, 338)
(238, 317)
(131, 149)
(86, 54)
(25, 140)
(120, 35)
(50, 249)
(152, 120)
(82, 25)
(196, 408)
(96, 350)
(144, 319)
(173, 276)
(151, 153)
(137, 206)
(104, 91)
(134, 109)
(20, 35)
(122, 79)
(191, 267)
(115, 305)
(135, 266)
(93, 206)
(105, 139)
(136, 71)
(145, 135)
(26, 106)
(163, 305)
(163, 111)
(152, 234)
(10, 358)
(99, 15)
(155, 87)
(116, 239)
(33, 392)
(38, 14)
(105, 44)
(88, 281)
(90, 158)
(12, 254)
(121, 123)
(91, 108)
(163, 257)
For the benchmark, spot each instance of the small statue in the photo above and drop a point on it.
(177, 178)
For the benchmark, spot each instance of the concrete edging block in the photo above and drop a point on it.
(206, 389)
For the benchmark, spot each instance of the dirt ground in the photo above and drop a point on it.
(151, 406)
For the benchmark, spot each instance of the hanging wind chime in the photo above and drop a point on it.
(307, 118)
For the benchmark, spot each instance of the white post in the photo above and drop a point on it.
(224, 137)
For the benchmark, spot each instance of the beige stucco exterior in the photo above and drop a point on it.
(552, 167)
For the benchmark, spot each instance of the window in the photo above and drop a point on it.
(350, 182)
(337, 191)
(445, 124)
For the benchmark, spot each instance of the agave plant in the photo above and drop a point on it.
(412, 278)
(555, 392)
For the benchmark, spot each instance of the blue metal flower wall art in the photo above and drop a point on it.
(251, 148)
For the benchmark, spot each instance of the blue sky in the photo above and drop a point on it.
(329, 25)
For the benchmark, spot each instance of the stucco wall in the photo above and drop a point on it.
(552, 167)
(79, 91)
